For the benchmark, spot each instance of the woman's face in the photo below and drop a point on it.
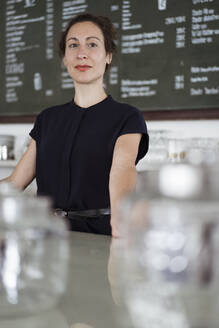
(85, 55)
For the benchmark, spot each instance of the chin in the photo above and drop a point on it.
(87, 80)
(86, 77)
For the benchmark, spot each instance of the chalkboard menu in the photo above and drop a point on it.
(167, 59)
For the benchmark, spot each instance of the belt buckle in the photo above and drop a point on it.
(60, 212)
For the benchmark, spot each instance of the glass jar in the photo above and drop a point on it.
(170, 270)
(203, 150)
(33, 254)
(177, 150)
(6, 147)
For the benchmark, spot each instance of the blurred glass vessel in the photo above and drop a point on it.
(177, 149)
(170, 260)
(33, 254)
(6, 147)
(203, 150)
(158, 145)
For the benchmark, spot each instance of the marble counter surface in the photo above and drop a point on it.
(91, 299)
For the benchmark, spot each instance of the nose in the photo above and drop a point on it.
(82, 54)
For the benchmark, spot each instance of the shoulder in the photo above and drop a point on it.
(122, 106)
(55, 110)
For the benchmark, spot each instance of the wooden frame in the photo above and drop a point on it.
(182, 114)
(193, 114)
(17, 119)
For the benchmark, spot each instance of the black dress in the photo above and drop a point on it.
(75, 149)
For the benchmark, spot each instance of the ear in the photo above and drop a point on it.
(109, 58)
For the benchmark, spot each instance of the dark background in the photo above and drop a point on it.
(158, 75)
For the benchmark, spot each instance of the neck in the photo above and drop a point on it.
(88, 95)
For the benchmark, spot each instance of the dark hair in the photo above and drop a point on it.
(104, 23)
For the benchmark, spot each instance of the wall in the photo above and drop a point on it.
(187, 129)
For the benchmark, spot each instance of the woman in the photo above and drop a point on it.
(83, 153)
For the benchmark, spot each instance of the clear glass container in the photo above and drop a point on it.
(177, 150)
(158, 149)
(33, 254)
(169, 269)
(6, 147)
(203, 150)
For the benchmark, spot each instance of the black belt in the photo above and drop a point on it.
(86, 213)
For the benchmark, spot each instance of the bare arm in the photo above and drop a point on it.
(24, 171)
(123, 173)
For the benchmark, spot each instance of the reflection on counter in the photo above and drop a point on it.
(53, 319)
(81, 325)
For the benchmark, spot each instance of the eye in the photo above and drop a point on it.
(73, 45)
(92, 45)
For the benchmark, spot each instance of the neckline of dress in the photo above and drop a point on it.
(92, 106)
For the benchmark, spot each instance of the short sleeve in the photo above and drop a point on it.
(135, 123)
(35, 132)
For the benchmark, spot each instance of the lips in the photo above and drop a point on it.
(82, 68)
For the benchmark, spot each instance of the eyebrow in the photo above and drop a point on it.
(89, 37)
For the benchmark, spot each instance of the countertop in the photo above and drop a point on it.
(92, 299)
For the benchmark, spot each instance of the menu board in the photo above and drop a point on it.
(167, 56)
